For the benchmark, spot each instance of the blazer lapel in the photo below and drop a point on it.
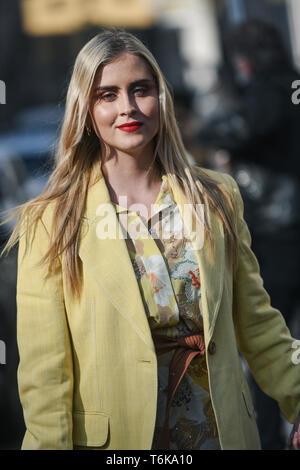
(211, 268)
(212, 277)
(108, 262)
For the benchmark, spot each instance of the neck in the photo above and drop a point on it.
(130, 171)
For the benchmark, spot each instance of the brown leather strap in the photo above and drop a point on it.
(187, 347)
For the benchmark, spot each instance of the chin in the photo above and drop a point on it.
(138, 145)
(132, 150)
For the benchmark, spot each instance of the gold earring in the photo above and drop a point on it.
(88, 129)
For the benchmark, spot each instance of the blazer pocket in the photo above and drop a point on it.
(90, 429)
(248, 402)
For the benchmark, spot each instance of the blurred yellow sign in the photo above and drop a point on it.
(130, 13)
(46, 17)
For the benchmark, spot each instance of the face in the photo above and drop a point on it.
(124, 106)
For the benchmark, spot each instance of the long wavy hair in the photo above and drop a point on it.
(77, 163)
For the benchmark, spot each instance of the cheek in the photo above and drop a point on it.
(151, 108)
(103, 116)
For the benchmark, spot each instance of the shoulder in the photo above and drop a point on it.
(218, 177)
(228, 182)
(37, 226)
(47, 216)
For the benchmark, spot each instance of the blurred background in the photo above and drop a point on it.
(231, 65)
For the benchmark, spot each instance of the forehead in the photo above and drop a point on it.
(126, 67)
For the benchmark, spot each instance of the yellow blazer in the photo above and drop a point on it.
(88, 372)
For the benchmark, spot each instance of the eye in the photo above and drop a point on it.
(140, 91)
(107, 96)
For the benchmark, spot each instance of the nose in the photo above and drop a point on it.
(127, 105)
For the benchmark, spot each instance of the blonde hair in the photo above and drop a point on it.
(77, 161)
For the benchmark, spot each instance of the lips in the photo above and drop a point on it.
(130, 126)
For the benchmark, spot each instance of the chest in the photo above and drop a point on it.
(140, 201)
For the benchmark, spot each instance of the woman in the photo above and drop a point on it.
(111, 286)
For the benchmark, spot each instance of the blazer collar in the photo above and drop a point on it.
(108, 262)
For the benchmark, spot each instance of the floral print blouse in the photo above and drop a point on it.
(168, 275)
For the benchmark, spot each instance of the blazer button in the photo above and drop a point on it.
(212, 347)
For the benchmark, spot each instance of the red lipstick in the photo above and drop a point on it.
(130, 126)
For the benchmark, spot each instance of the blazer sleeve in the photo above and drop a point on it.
(262, 335)
(45, 372)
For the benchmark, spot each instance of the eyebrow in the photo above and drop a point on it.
(132, 84)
